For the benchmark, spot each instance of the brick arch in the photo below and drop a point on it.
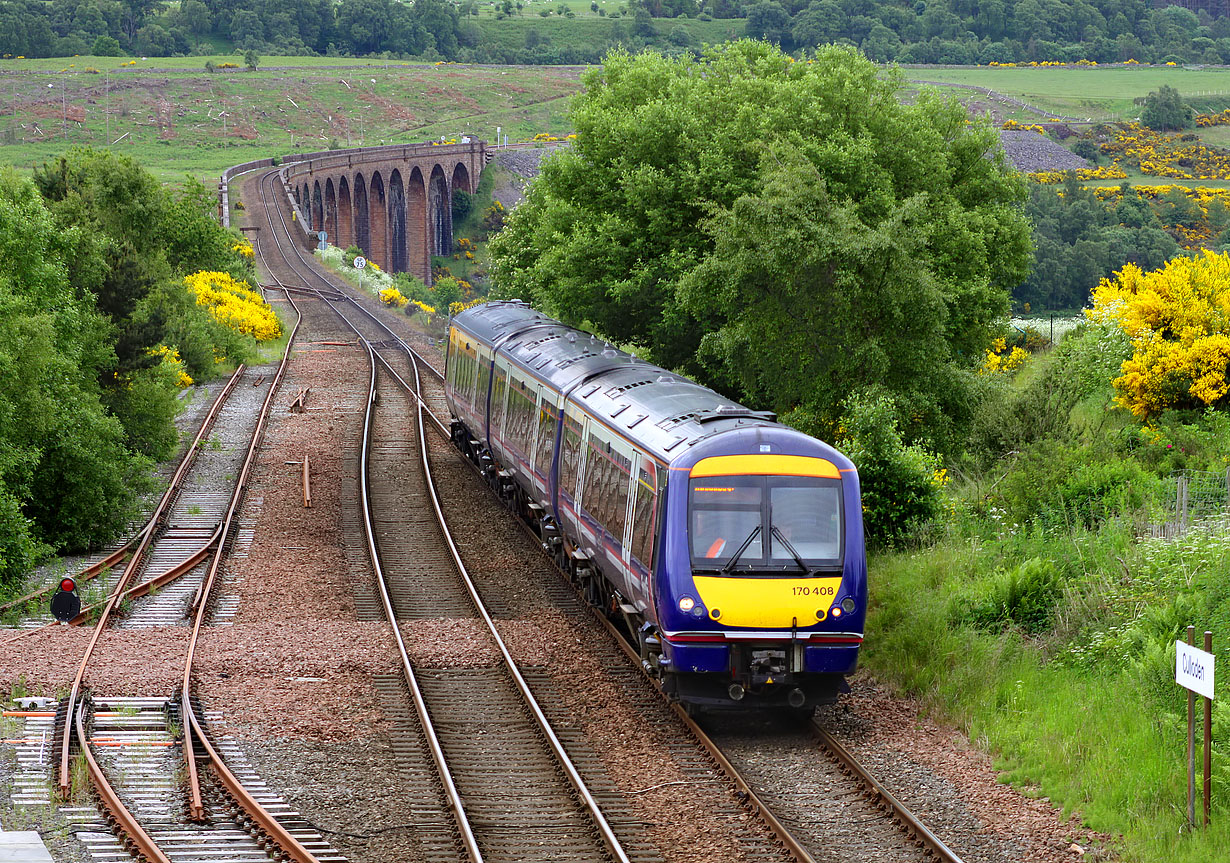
(440, 212)
(331, 211)
(461, 178)
(397, 223)
(362, 225)
(318, 207)
(379, 219)
(417, 235)
(345, 218)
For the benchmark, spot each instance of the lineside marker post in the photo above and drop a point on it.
(307, 484)
(1194, 671)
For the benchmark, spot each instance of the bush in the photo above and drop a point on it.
(463, 203)
(1069, 485)
(901, 485)
(106, 46)
(1023, 596)
(19, 551)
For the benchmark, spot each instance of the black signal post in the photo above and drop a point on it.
(66, 604)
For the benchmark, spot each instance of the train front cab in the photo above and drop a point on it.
(763, 593)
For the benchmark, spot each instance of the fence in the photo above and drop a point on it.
(1199, 496)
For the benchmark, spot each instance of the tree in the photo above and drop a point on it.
(251, 59)
(105, 46)
(788, 232)
(66, 479)
(768, 20)
(1165, 110)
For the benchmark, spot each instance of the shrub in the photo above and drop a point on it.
(1069, 485)
(1175, 318)
(901, 485)
(19, 551)
(1023, 596)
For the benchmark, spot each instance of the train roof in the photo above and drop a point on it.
(660, 411)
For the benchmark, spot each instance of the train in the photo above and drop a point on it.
(728, 545)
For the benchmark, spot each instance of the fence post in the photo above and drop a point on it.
(1181, 501)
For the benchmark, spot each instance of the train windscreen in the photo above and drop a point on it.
(769, 524)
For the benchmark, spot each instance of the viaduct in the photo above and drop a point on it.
(395, 203)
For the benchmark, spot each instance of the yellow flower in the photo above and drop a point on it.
(234, 304)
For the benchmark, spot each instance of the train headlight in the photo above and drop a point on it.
(847, 605)
(686, 603)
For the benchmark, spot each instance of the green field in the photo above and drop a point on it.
(1098, 94)
(176, 119)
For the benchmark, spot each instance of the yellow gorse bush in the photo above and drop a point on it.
(1014, 125)
(998, 362)
(1178, 321)
(234, 304)
(244, 248)
(423, 307)
(1162, 154)
(393, 297)
(170, 357)
(1101, 172)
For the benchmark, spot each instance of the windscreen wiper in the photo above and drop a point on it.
(790, 548)
(730, 564)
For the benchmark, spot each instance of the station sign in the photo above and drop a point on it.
(1193, 669)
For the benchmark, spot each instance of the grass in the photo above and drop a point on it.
(1098, 734)
(176, 119)
(1102, 93)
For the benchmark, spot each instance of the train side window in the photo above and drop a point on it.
(498, 395)
(548, 419)
(484, 377)
(644, 513)
(525, 419)
(595, 463)
(570, 455)
(621, 481)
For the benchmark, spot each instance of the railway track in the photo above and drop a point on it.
(421, 596)
(125, 751)
(484, 731)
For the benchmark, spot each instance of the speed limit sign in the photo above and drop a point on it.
(360, 262)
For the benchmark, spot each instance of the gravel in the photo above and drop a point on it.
(1028, 151)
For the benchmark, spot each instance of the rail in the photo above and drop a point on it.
(565, 762)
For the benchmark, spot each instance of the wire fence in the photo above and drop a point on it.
(1197, 497)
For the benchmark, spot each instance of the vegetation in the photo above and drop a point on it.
(522, 31)
(1079, 240)
(97, 335)
(1165, 110)
(719, 238)
(1015, 588)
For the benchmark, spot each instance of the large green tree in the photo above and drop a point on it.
(66, 478)
(790, 232)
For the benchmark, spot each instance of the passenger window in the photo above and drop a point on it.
(644, 512)
(570, 455)
(497, 401)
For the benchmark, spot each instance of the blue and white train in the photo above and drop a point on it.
(729, 544)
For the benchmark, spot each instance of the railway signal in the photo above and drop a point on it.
(66, 604)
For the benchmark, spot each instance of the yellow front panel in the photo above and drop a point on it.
(764, 465)
(767, 603)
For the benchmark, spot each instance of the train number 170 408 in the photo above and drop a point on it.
(808, 590)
